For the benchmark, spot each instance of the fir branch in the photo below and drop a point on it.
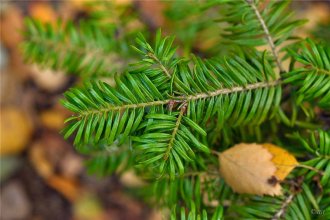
(159, 61)
(252, 27)
(268, 36)
(109, 113)
(64, 46)
(84, 50)
(313, 79)
(167, 142)
(98, 104)
(318, 147)
(177, 99)
(89, 53)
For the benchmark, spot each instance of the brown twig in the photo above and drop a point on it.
(286, 203)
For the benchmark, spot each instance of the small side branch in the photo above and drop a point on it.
(175, 131)
(167, 73)
(321, 71)
(285, 204)
(268, 36)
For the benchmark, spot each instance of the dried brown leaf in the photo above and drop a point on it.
(256, 168)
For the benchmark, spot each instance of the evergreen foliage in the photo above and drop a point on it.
(313, 79)
(166, 112)
(70, 49)
(92, 48)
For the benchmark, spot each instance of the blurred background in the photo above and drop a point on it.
(42, 176)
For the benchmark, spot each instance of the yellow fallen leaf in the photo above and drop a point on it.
(15, 130)
(53, 119)
(256, 168)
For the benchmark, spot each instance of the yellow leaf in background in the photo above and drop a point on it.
(256, 168)
(15, 130)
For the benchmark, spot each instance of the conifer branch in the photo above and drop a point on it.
(313, 79)
(88, 53)
(82, 50)
(65, 46)
(268, 36)
(180, 99)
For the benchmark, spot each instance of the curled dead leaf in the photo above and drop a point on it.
(68, 187)
(39, 160)
(256, 168)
